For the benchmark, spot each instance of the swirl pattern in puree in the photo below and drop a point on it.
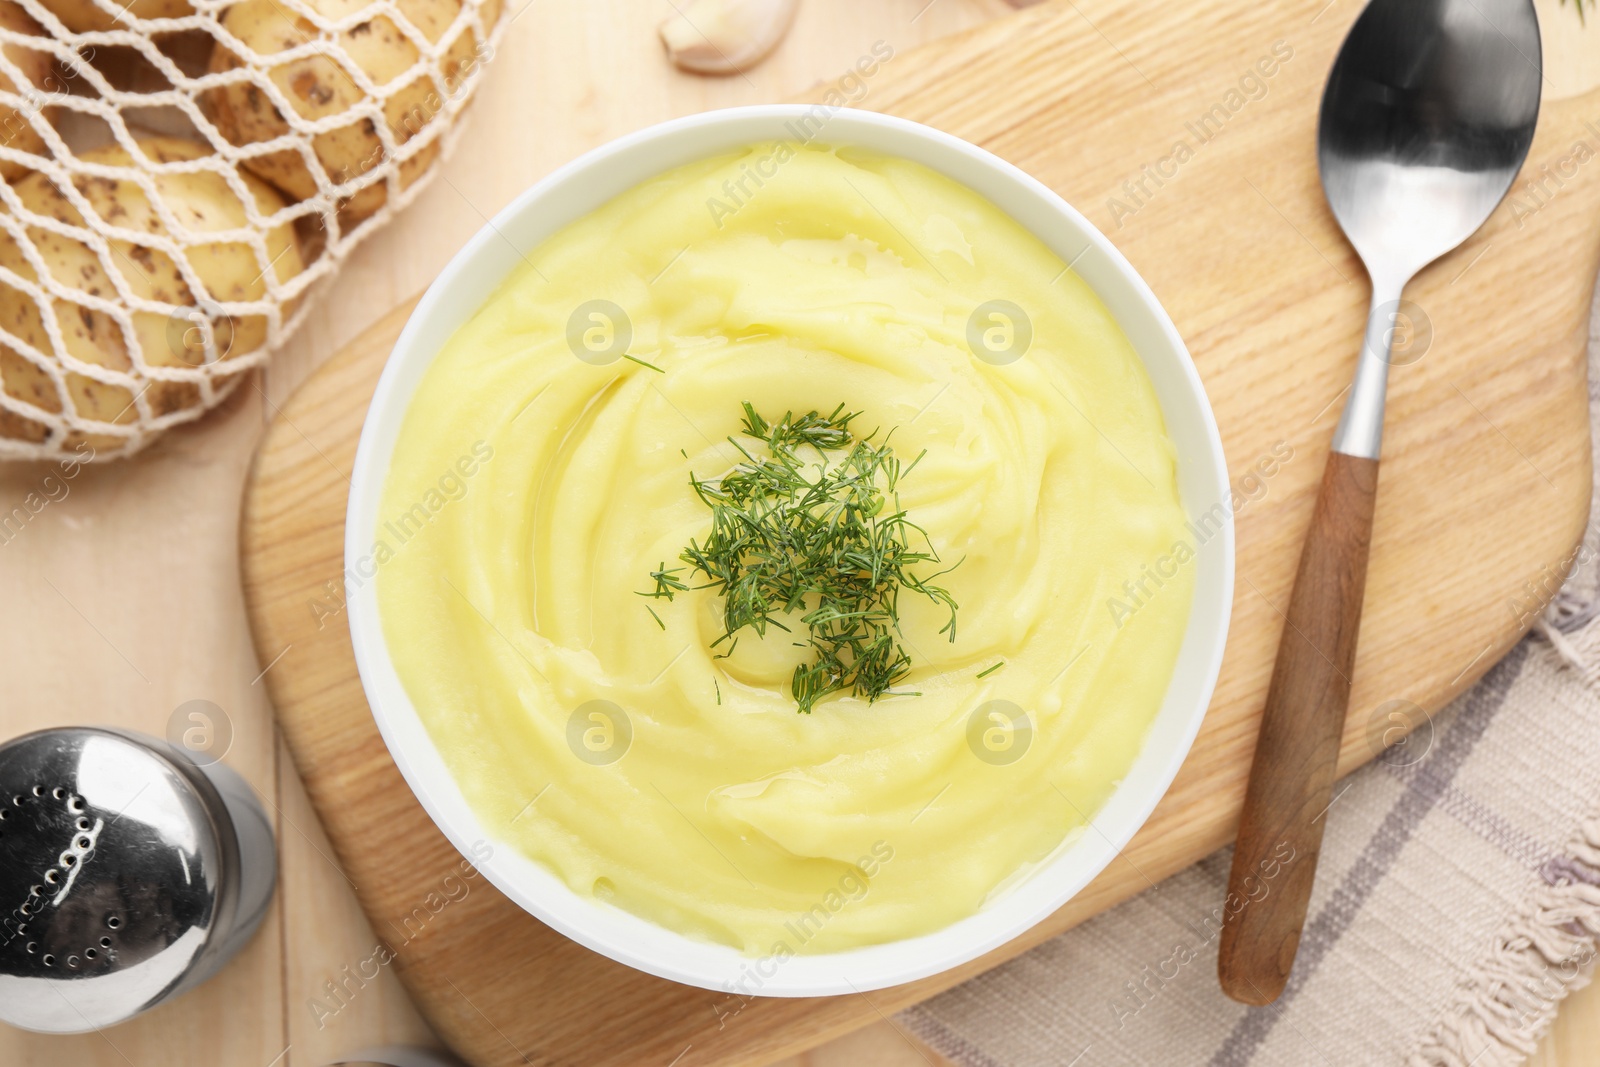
(551, 486)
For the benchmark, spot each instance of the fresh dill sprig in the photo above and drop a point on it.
(812, 524)
(666, 581)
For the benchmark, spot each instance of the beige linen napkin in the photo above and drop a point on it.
(1457, 900)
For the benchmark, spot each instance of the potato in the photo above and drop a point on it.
(229, 271)
(83, 16)
(15, 129)
(318, 88)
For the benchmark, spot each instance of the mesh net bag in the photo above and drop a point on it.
(178, 176)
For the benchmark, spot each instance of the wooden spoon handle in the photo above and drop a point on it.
(1291, 778)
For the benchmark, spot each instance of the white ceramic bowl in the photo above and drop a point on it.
(582, 186)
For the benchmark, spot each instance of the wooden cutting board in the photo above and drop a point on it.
(1186, 132)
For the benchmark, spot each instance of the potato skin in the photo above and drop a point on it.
(15, 129)
(319, 88)
(82, 16)
(228, 271)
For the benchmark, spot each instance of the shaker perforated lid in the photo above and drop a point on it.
(119, 877)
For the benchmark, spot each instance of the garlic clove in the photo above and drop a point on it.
(725, 36)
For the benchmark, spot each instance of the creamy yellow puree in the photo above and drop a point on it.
(532, 492)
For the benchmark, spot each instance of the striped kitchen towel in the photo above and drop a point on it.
(1457, 901)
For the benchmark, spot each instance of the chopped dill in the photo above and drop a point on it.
(991, 670)
(820, 533)
(666, 581)
(643, 363)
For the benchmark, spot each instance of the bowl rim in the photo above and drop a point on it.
(636, 942)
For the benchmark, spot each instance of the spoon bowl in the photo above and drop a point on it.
(1426, 119)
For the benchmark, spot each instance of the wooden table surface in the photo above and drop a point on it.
(124, 594)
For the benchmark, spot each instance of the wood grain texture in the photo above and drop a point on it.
(1486, 481)
(1297, 753)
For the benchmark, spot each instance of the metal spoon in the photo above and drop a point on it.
(1427, 117)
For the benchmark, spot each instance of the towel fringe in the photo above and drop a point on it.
(1564, 648)
(1505, 1004)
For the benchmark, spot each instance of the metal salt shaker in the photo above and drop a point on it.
(128, 875)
